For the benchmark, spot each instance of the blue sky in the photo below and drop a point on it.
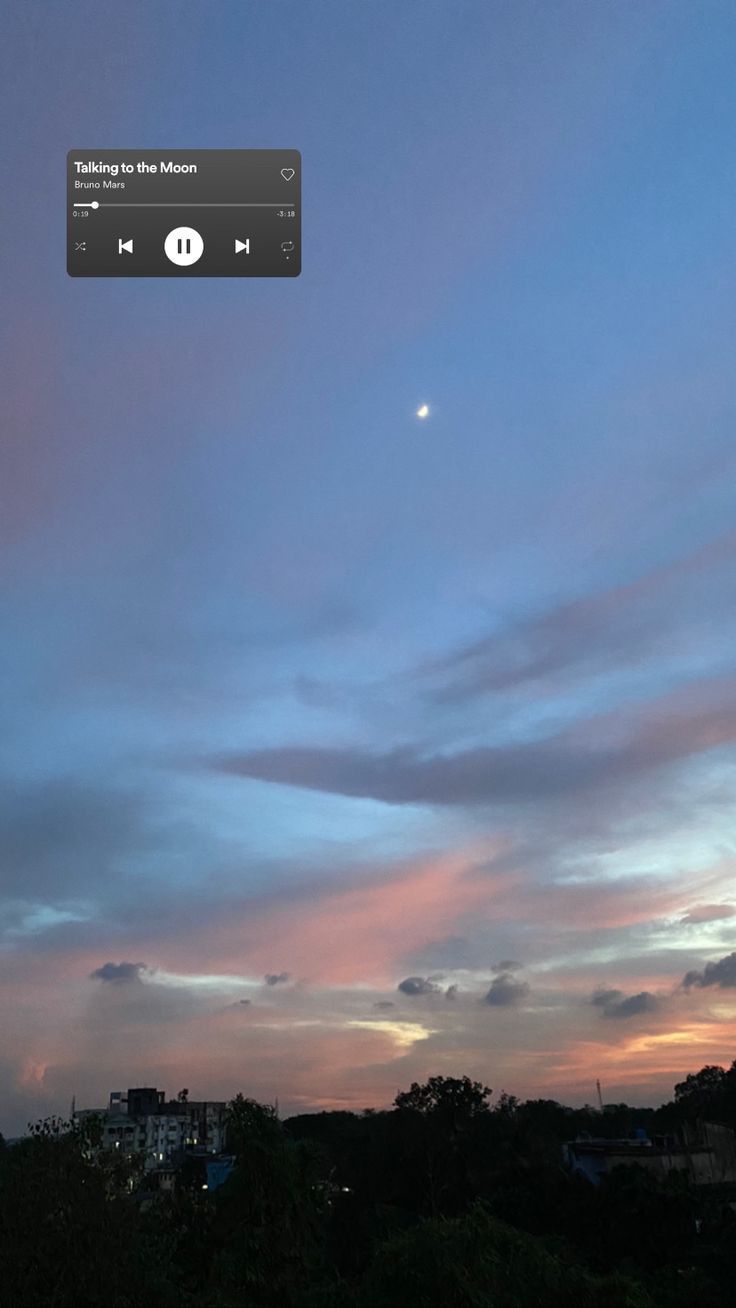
(295, 683)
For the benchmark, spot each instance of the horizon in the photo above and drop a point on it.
(495, 1099)
(370, 700)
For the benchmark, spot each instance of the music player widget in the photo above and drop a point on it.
(184, 213)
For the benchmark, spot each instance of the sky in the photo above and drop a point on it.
(340, 748)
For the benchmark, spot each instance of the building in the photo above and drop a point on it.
(143, 1121)
(706, 1153)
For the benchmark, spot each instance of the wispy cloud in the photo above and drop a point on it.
(596, 632)
(606, 750)
(708, 913)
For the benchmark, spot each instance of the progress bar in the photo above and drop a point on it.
(182, 204)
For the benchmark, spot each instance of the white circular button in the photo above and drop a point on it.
(183, 246)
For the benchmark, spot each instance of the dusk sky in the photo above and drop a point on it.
(340, 748)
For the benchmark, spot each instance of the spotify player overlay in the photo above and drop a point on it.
(184, 213)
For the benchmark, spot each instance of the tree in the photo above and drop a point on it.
(268, 1214)
(455, 1099)
(247, 1123)
(475, 1261)
(440, 1128)
(642, 1217)
(66, 1238)
(702, 1093)
(508, 1105)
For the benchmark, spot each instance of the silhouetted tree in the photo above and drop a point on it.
(268, 1215)
(454, 1099)
(701, 1092)
(440, 1129)
(476, 1261)
(709, 1094)
(67, 1239)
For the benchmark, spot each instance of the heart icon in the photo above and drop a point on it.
(287, 174)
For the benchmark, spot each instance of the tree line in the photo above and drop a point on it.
(446, 1200)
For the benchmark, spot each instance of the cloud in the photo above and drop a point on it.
(276, 978)
(604, 750)
(613, 1003)
(366, 925)
(418, 985)
(505, 992)
(506, 965)
(119, 973)
(708, 913)
(643, 1002)
(602, 998)
(582, 632)
(451, 992)
(68, 833)
(592, 633)
(722, 974)
(448, 951)
(383, 1005)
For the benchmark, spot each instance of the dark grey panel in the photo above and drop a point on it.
(241, 210)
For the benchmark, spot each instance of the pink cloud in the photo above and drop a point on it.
(357, 933)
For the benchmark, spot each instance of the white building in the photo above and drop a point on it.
(144, 1122)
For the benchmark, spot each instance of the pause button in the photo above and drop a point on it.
(183, 246)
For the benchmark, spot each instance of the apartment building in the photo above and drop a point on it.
(143, 1121)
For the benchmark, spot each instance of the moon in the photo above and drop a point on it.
(423, 411)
